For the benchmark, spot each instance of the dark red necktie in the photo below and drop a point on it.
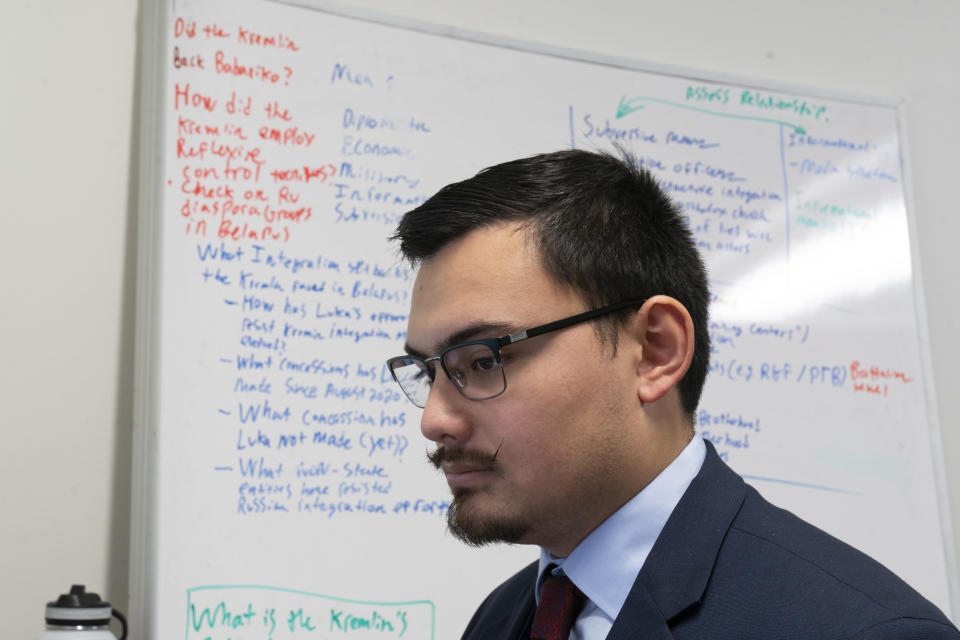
(560, 604)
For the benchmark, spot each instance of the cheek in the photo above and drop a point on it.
(584, 418)
(563, 409)
(553, 428)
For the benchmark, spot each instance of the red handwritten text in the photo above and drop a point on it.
(875, 379)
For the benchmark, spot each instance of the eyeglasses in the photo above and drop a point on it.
(476, 368)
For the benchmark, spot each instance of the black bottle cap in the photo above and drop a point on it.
(78, 608)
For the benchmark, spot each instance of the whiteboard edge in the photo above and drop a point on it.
(583, 55)
(143, 508)
(930, 393)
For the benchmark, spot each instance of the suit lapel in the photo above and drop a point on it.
(675, 574)
(640, 617)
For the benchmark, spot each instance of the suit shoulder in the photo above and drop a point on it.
(857, 584)
(907, 629)
(502, 609)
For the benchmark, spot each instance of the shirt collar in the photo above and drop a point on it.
(605, 564)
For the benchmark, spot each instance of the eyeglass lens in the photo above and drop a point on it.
(473, 368)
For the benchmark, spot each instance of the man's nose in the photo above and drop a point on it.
(444, 420)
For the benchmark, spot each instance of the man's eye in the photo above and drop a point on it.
(484, 365)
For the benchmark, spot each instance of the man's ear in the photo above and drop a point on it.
(663, 329)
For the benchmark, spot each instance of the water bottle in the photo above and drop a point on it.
(79, 615)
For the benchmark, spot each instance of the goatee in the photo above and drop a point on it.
(463, 520)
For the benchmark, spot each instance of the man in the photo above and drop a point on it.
(558, 345)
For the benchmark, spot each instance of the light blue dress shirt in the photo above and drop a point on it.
(605, 565)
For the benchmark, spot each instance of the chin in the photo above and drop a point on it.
(469, 524)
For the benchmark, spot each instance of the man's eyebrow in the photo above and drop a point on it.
(472, 331)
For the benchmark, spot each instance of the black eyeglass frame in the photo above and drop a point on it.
(495, 344)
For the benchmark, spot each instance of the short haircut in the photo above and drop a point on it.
(602, 225)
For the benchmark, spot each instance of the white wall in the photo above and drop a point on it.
(68, 173)
(67, 273)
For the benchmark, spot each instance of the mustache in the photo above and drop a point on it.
(448, 453)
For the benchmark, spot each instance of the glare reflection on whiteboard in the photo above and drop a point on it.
(820, 273)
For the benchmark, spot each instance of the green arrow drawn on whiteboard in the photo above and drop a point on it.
(626, 107)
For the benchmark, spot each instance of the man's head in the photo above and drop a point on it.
(590, 413)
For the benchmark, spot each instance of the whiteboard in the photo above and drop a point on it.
(281, 487)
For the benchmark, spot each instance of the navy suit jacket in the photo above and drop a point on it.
(728, 564)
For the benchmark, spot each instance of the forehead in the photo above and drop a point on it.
(493, 275)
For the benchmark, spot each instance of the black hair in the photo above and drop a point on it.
(602, 225)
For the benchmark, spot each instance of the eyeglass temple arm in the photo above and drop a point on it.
(566, 322)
